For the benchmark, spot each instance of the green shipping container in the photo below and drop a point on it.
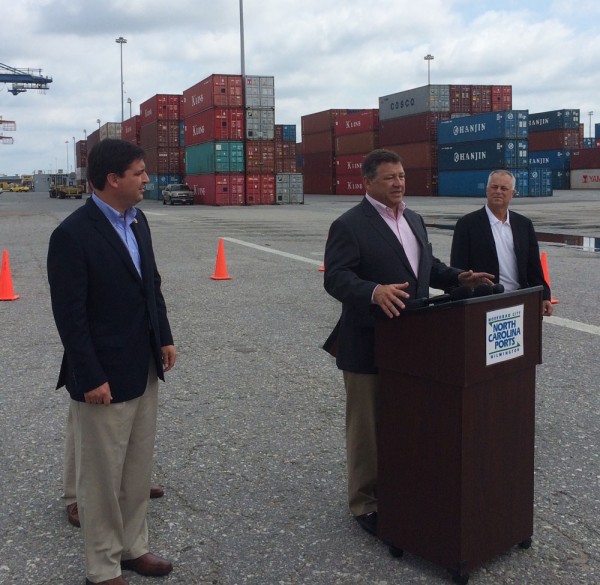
(215, 157)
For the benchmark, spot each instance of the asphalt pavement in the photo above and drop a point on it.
(250, 445)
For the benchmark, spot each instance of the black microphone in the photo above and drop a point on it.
(456, 294)
(482, 290)
(497, 289)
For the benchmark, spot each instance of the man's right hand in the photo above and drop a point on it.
(389, 298)
(100, 395)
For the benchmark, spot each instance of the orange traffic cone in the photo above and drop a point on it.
(221, 265)
(544, 260)
(322, 269)
(6, 286)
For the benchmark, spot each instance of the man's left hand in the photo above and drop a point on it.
(169, 355)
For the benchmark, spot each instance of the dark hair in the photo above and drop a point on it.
(110, 156)
(378, 157)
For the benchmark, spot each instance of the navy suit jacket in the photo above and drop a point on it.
(362, 252)
(473, 248)
(111, 321)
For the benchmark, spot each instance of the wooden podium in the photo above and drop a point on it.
(456, 428)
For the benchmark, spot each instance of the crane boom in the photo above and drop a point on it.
(23, 79)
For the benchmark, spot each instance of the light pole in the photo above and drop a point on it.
(590, 114)
(85, 134)
(121, 42)
(74, 156)
(67, 143)
(129, 102)
(98, 122)
(429, 58)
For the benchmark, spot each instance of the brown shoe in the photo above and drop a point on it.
(73, 515)
(116, 581)
(149, 565)
(156, 491)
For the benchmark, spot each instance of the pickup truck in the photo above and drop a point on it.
(177, 193)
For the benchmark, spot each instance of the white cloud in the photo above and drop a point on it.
(323, 55)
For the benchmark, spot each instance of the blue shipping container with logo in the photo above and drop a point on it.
(483, 154)
(540, 182)
(553, 159)
(488, 126)
(473, 183)
(561, 179)
(157, 183)
(554, 120)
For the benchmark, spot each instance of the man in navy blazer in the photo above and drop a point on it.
(112, 320)
(500, 241)
(377, 255)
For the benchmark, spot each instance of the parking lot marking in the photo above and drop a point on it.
(273, 251)
(584, 327)
(560, 321)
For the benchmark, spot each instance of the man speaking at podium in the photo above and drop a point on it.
(501, 241)
(377, 254)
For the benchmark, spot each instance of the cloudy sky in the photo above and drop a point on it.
(323, 54)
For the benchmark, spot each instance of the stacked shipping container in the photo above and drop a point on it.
(552, 136)
(483, 142)
(213, 117)
(355, 135)
(585, 169)
(160, 128)
(289, 185)
(410, 120)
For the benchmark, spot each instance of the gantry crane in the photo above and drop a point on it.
(23, 79)
(9, 126)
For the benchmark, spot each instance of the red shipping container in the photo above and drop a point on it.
(213, 125)
(319, 163)
(363, 121)
(160, 107)
(349, 165)
(319, 184)
(418, 155)
(321, 121)
(130, 129)
(318, 142)
(501, 98)
(160, 134)
(214, 91)
(218, 188)
(481, 99)
(260, 156)
(555, 140)
(285, 157)
(357, 143)
(165, 161)
(588, 158)
(418, 128)
(260, 189)
(460, 99)
(349, 185)
(422, 182)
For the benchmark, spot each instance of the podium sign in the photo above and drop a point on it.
(456, 428)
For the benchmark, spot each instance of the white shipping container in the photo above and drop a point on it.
(429, 98)
(585, 178)
(260, 92)
(289, 188)
(110, 130)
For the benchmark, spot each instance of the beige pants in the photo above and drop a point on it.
(361, 441)
(113, 460)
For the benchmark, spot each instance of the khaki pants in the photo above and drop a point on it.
(361, 441)
(113, 459)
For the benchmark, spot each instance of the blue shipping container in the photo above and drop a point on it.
(488, 126)
(553, 159)
(597, 131)
(540, 182)
(554, 120)
(483, 154)
(289, 132)
(157, 183)
(473, 183)
(561, 179)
